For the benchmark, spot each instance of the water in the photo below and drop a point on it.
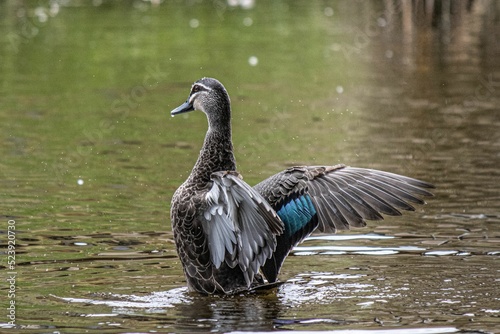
(91, 158)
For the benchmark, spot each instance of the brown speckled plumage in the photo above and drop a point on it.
(227, 232)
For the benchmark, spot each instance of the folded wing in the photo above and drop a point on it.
(241, 227)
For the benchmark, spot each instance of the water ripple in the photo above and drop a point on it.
(152, 303)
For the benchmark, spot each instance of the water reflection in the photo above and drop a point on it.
(458, 28)
(436, 330)
(192, 312)
(148, 303)
(223, 314)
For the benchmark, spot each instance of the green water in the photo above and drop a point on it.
(91, 158)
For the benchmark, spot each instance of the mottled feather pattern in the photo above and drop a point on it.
(226, 232)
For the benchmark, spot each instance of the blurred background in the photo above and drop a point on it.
(91, 156)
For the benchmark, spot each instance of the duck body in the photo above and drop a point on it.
(230, 236)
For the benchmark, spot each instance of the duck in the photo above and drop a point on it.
(232, 237)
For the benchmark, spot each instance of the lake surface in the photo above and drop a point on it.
(91, 158)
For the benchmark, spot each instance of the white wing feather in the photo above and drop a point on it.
(239, 223)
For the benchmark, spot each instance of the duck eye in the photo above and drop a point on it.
(196, 89)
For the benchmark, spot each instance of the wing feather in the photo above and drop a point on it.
(343, 197)
(240, 225)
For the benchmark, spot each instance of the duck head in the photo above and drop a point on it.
(207, 95)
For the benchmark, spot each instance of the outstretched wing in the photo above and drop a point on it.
(333, 198)
(241, 227)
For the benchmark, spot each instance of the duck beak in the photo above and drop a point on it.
(185, 107)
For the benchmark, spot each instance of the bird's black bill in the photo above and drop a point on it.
(185, 107)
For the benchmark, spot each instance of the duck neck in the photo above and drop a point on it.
(216, 153)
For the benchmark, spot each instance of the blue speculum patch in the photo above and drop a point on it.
(297, 213)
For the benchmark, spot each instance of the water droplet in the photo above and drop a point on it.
(194, 23)
(253, 61)
(41, 14)
(339, 89)
(247, 21)
(80, 182)
(381, 22)
(328, 11)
